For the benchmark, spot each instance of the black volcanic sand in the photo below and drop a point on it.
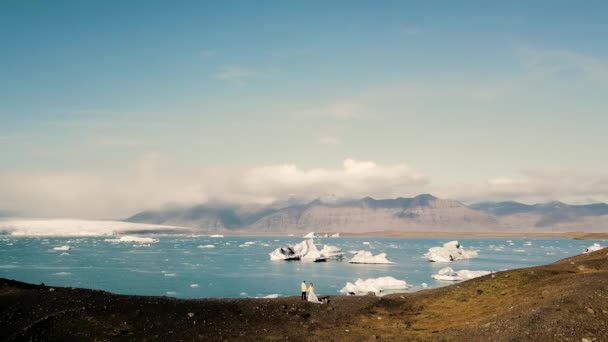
(564, 301)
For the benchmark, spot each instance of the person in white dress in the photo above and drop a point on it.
(312, 297)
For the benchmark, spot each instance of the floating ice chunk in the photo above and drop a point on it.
(249, 243)
(243, 245)
(62, 273)
(365, 257)
(305, 250)
(216, 236)
(331, 252)
(194, 286)
(366, 243)
(448, 274)
(375, 285)
(171, 293)
(311, 235)
(64, 254)
(206, 246)
(169, 274)
(424, 285)
(335, 235)
(450, 251)
(62, 248)
(271, 296)
(593, 248)
(133, 238)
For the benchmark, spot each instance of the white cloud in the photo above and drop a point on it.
(539, 186)
(152, 182)
(354, 179)
(235, 74)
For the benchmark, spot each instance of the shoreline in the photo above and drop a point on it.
(381, 234)
(559, 301)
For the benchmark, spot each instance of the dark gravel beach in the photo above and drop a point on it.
(564, 301)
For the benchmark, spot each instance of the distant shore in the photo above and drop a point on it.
(446, 234)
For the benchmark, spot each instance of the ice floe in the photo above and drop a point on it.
(62, 248)
(335, 235)
(271, 296)
(450, 251)
(206, 246)
(375, 285)
(311, 235)
(366, 257)
(194, 286)
(133, 238)
(331, 252)
(593, 248)
(448, 274)
(216, 236)
(305, 251)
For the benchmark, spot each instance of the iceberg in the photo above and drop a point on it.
(305, 251)
(365, 257)
(375, 285)
(311, 235)
(450, 251)
(448, 274)
(331, 252)
(62, 248)
(133, 238)
(216, 236)
(335, 235)
(593, 248)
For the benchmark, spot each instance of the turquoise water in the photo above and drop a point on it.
(171, 266)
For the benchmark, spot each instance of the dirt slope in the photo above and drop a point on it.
(564, 301)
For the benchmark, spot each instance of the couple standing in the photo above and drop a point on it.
(311, 297)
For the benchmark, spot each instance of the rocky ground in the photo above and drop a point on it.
(564, 301)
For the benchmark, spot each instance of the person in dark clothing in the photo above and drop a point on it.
(304, 288)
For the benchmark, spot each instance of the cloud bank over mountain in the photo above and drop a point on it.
(154, 182)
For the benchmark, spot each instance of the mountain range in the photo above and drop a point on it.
(417, 214)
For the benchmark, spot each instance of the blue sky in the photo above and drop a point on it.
(143, 103)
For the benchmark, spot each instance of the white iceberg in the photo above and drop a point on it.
(305, 250)
(311, 235)
(206, 246)
(365, 257)
(450, 251)
(376, 285)
(331, 252)
(216, 236)
(335, 235)
(448, 274)
(593, 248)
(133, 238)
(62, 248)
(271, 296)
